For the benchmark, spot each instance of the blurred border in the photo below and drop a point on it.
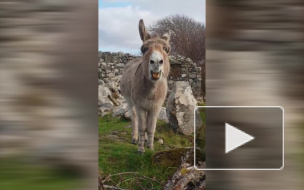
(48, 97)
(254, 58)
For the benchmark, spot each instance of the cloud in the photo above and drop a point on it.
(118, 25)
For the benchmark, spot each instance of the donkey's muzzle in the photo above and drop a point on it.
(155, 75)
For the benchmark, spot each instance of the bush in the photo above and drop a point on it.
(187, 35)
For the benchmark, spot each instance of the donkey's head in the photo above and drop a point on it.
(155, 52)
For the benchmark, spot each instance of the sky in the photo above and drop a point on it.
(118, 20)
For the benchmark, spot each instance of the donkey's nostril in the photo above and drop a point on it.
(151, 61)
(161, 62)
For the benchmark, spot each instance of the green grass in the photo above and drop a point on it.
(117, 155)
(16, 174)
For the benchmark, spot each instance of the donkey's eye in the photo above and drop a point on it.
(166, 49)
(144, 50)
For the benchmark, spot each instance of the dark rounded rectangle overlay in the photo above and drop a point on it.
(265, 123)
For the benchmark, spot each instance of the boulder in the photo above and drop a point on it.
(105, 105)
(120, 110)
(163, 115)
(127, 115)
(180, 108)
(103, 91)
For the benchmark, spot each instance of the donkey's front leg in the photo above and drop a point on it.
(134, 126)
(151, 126)
(142, 122)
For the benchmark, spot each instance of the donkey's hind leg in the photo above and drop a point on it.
(134, 126)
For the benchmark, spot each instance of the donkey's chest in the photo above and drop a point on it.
(151, 98)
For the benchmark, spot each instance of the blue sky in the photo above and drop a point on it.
(118, 20)
(105, 4)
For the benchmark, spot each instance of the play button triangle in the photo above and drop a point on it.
(235, 138)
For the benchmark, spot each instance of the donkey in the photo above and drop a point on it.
(144, 85)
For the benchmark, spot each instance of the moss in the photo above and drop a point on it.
(171, 158)
(184, 171)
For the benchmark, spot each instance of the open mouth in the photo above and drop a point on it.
(155, 76)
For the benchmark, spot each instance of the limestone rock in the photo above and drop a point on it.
(127, 115)
(163, 115)
(105, 105)
(160, 141)
(120, 110)
(180, 108)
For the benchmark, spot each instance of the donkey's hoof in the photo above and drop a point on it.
(150, 147)
(140, 152)
(134, 141)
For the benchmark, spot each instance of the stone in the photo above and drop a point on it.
(163, 115)
(120, 54)
(113, 136)
(184, 75)
(100, 82)
(170, 82)
(112, 85)
(106, 80)
(192, 76)
(120, 110)
(105, 109)
(160, 141)
(111, 75)
(189, 60)
(180, 106)
(127, 115)
(120, 65)
(103, 91)
(198, 69)
(104, 103)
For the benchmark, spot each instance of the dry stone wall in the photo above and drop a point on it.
(111, 65)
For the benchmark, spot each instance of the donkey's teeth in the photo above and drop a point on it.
(155, 75)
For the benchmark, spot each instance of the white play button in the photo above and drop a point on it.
(235, 138)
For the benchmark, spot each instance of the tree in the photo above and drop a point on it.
(187, 35)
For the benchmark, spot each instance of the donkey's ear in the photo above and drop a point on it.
(166, 36)
(144, 35)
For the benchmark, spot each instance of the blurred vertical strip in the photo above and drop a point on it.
(48, 94)
(254, 57)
